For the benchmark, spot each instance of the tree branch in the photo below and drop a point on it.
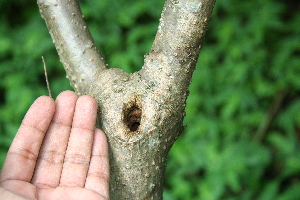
(74, 43)
(182, 25)
(270, 115)
(174, 54)
(179, 38)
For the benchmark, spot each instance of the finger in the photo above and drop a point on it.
(20, 187)
(51, 157)
(98, 174)
(22, 155)
(80, 143)
(6, 194)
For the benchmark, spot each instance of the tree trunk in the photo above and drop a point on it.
(142, 112)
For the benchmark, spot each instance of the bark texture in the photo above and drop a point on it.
(142, 112)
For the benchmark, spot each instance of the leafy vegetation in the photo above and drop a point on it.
(243, 113)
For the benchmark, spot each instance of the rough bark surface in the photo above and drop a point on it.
(142, 112)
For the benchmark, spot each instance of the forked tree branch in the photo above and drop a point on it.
(141, 113)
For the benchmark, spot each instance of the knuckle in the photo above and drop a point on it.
(53, 157)
(77, 158)
(24, 153)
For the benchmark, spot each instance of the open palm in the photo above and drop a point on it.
(57, 152)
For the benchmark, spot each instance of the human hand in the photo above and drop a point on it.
(57, 153)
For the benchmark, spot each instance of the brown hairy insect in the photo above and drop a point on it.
(134, 118)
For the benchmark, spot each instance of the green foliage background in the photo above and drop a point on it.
(243, 112)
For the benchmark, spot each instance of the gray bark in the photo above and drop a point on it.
(142, 112)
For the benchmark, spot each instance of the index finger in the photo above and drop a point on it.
(22, 155)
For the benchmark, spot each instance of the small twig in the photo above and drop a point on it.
(46, 76)
(270, 115)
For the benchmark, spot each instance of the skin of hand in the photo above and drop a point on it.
(57, 152)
